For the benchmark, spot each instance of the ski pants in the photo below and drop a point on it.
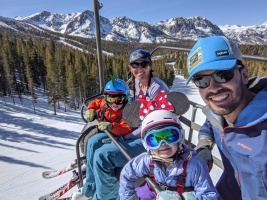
(101, 161)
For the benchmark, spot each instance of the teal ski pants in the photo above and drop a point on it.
(101, 161)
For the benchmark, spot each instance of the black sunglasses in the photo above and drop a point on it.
(142, 64)
(221, 76)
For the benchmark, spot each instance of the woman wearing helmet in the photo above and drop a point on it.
(168, 161)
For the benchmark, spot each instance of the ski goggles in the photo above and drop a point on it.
(115, 99)
(170, 135)
(135, 65)
(221, 76)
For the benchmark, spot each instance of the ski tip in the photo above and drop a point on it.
(45, 175)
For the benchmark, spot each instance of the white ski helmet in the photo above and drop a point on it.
(159, 118)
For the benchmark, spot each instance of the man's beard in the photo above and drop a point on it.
(230, 107)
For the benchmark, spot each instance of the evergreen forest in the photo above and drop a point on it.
(70, 75)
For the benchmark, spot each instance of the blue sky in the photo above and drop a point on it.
(241, 12)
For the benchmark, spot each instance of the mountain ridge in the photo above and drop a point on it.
(125, 29)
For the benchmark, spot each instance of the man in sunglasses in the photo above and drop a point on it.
(168, 161)
(236, 117)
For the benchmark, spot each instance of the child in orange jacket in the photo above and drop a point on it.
(108, 110)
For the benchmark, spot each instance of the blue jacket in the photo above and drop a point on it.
(243, 146)
(197, 175)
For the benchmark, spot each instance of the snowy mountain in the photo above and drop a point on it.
(79, 24)
(256, 34)
(18, 26)
(127, 30)
(188, 28)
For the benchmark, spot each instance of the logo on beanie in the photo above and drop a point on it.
(195, 59)
(222, 53)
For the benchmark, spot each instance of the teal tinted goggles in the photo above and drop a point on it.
(170, 135)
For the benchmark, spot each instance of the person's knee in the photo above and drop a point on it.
(101, 157)
(95, 142)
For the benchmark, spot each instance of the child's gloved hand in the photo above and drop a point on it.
(171, 195)
(189, 195)
(104, 126)
(90, 115)
(205, 154)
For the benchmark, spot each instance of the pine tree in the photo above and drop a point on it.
(70, 79)
(63, 93)
(3, 86)
(8, 64)
(51, 77)
(30, 60)
(79, 67)
(41, 49)
(23, 84)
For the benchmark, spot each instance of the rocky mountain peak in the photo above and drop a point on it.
(124, 29)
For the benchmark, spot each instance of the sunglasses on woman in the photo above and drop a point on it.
(142, 64)
(115, 99)
(170, 135)
(221, 76)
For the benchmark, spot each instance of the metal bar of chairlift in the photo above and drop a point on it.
(193, 117)
(84, 105)
(79, 160)
(244, 56)
(78, 156)
(170, 48)
(147, 178)
(97, 7)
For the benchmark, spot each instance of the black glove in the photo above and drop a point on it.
(205, 154)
